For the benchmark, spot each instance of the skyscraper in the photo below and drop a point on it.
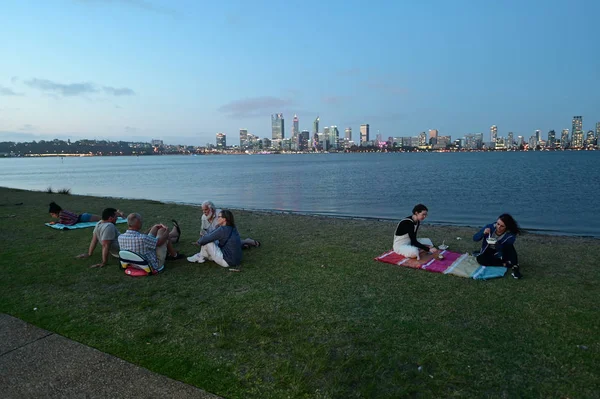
(244, 138)
(221, 141)
(295, 127)
(303, 140)
(316, 126)
(564, 139)
(348, 133)
(364, 133)
(510, 141)
(538, 137)
(433, 136)
(551, 139)
(577, 132)
(493, 134)
(422, 139)
(590, 139)
(277, 127)
(334, 137)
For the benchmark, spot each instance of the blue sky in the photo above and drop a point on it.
(182, 71)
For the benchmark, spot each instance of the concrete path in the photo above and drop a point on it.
(35, 363)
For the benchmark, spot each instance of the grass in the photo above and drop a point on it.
(312, 315)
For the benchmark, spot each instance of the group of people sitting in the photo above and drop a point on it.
(219, 238)
(497, 247)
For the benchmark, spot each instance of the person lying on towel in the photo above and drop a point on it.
(69, 218)
(405, 237)
(497, 246)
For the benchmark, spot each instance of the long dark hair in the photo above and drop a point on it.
(54, 208)
(511, 223)
(228, 216)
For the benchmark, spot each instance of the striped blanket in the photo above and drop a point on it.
(461, 265)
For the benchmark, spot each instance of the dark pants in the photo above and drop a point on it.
(509, 256)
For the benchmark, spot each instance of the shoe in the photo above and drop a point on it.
(516, 273)
(197, 258)
(176, 257)
(178, 230)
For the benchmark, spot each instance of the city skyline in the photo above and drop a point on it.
(137, 70)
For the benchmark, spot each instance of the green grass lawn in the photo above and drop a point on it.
(312, 314)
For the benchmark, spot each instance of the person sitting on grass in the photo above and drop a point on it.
(210, 224)
(69, 218)
(405, 237)
(153, 246)
(223, 245)
(497, 247)
(107, 234)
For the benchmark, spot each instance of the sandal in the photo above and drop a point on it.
(178, 229)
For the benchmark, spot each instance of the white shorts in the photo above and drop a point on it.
(408, 250)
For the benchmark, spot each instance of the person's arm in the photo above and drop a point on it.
(509, 239)
(414, 242)
(218, 234)
(91, 248)
(105, 253)
(482, 233)
(162, 236)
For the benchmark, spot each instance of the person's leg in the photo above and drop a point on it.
(425, 241)
(175, 233)
(249, 242)
(161, 254)
(488, 259)
(407, 250)
(213, 252)
(509, 255)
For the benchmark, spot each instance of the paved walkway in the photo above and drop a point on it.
(35, 363)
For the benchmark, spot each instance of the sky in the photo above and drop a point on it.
(184, 70)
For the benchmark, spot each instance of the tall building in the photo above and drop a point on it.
(295, 127)
(520, 141)
(551, 143)
(597, 133)
(493, 134)
(433, 136)
(364, 133)
(564, 138)
(316, 126)
(538, 137)
(577, 132)
(474, 141)
(277, 126)
(348, 133)
(244, 138)
(510, 141)
(334, 137)
(221, 141)
(303, 140)
(422, 139)
(590, 139)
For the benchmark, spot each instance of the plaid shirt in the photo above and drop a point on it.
(67, 218)
(142, 244)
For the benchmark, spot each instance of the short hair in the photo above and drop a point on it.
(228, 216)
(108, 213)
(210, 205)
(133, 218)
(419, 208)
(54, 208)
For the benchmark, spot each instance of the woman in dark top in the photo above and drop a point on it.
(228, 252)
(405, 237)
(497, 247)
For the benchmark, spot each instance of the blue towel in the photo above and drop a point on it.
(59, 226)
(489, 272)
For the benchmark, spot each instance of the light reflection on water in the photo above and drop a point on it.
(547, 191)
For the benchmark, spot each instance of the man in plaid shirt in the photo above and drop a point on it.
(152, 246)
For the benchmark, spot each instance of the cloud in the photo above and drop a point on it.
(253, 107)
(14, 79)
(335, 100)
(131, 129)
(27, 127)
(385, 87)
(67, 90)
(5, 91)
(123, 91)
(139, 4)
(76, 89)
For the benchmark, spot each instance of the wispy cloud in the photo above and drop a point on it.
(76, 89)
(257, 106)
(388, 87)
(14, 79)
(5, 91)
(123, 91)
(27, 127)
(131, 129)
(67, 90)
(139, 4)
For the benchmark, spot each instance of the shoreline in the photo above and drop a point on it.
(526, 231)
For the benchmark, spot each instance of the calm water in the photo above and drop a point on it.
(553, 192)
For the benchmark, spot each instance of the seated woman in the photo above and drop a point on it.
(69, 218)
(209, 223)
(405, 237)
(497, 247)
(223, 245)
